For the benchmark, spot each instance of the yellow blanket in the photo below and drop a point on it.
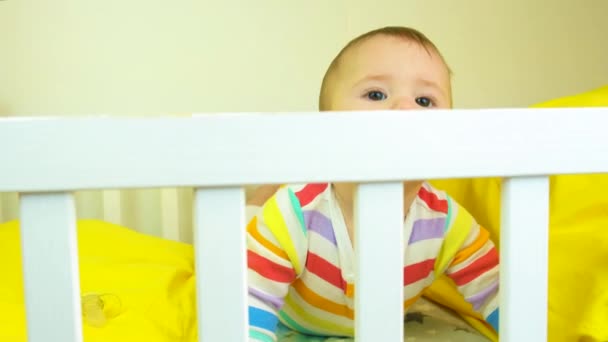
(578, 243)
(146, 284)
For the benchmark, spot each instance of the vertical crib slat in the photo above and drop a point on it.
(50, 267)
(524, 259)
(221, 273)
(112, 206)
(169, 206)
(1, 208)
(379, 262)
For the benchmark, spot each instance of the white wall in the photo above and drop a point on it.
(178, 57)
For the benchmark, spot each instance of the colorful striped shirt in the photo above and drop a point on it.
(301, 260)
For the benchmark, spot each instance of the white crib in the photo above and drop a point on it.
(219, 154)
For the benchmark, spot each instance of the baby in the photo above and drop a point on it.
(300, 242)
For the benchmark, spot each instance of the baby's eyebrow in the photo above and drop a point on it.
(431, 84)
(427, 83)
(375, 77)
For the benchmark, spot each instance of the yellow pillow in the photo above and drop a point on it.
(146, 283)
(578, 242)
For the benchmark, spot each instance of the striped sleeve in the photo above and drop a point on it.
(276, 253)
(470, 259)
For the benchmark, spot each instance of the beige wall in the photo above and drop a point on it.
(157, 57)
(508, 53)
(178, 57)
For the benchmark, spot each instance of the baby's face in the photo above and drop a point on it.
(389, 73)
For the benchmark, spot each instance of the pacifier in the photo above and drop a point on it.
(97, 309)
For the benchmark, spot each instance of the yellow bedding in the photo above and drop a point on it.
(147, 284)
(578, 242)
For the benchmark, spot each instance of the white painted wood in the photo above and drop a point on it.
(89, 204)
(186, 230)
(379, 250)
(146, 211)
(524, 259)
(216, 149)
(112, 206)
(50, 267)
(169, 206)
(221, 264)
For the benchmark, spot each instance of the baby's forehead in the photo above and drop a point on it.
(389, 55)
(385, 58)
(376, 46)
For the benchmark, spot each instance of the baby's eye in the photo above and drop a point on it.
(376, 95)
(424, 101)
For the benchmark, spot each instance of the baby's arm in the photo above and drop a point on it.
(470, 259)
(276, 252)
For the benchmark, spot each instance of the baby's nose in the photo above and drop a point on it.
(403, 103)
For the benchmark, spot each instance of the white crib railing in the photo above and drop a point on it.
(218, 154)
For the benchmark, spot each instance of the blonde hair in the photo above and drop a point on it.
(402, 32)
